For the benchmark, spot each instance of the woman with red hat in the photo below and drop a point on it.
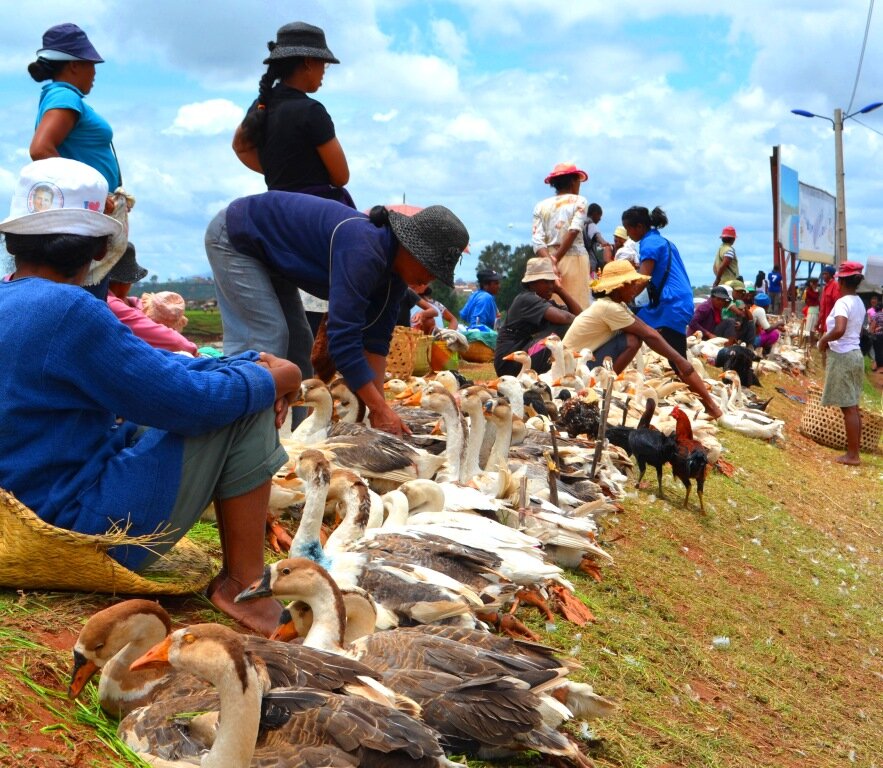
(726, 265)
(558, 230)
(844, 366)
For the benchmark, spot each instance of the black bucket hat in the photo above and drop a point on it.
(300, 39)
(67, 42)
(127, 269)
(433, 236)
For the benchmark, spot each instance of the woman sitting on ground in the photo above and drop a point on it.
(844, 362)
(131, 312)
(610, 329)
(102, 432)
(532, 317)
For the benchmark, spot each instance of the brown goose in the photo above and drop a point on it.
(259, 727)
(486, 702)
(114, 637)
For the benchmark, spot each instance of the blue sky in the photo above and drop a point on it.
(470, 104)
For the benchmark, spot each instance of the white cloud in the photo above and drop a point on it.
(385, 117)
(206, 118)
(449, 40)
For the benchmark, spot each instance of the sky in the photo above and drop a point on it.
(470, 103)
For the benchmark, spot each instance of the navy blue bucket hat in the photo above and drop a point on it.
(67, 42)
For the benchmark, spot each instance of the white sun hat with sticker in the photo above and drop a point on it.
(59, 196)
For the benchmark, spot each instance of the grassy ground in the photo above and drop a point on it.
(786, 567)
(203, 326)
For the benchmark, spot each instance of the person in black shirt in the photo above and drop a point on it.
(532, 317)
(286, 135)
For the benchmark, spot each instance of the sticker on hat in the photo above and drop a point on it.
(43, 196)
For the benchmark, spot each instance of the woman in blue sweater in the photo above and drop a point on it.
(660, 259)
(98, 430)
(263, 247)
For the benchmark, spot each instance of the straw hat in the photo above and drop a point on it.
(621, 232)
(433, 236)
(617, 273)
(539, 269)
(36, 555)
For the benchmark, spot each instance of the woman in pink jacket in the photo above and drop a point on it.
(130, 311)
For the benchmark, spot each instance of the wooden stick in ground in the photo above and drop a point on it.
(602, 427)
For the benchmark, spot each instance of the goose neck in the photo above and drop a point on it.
(239, 722)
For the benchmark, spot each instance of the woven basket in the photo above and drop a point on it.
(824, 424)
(478, 353)
(402, 346)
(36, 555)
(422, 354)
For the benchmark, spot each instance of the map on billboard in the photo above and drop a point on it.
(817, 225)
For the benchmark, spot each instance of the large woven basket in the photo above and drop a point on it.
(478, 352)
(422, 354)
(441, 358)
(824, 424)
(402, 347)
(36, 555)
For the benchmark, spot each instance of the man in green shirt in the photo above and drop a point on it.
(738, 311)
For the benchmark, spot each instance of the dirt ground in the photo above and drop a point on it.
(787, 564)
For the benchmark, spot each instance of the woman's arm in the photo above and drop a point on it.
(335, 162)
(380, 414)
(449, 318)
(685, 371)
(570, 302)
(51, 132)
(835, 333)
(564, 245)
(647, 266)
(246, 151)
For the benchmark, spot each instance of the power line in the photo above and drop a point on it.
(861, 57)
(865, 125)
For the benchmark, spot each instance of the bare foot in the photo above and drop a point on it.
(261, 615)
(847, 459)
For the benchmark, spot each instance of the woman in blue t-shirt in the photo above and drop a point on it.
(66, 126)
(660, 259)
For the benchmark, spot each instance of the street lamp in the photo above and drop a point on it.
(837, 122)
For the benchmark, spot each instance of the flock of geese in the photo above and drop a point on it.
(383, 656)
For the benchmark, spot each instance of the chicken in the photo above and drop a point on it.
(646, 443)
(690, 459)
(579, 416)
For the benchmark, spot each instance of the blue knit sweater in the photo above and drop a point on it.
(70, 370)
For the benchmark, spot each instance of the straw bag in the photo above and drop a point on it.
(36, 555)
(824, 424)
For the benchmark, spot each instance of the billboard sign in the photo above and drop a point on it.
(789, 208)
(817, 217)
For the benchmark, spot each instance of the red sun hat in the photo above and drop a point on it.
(848, 268)
(729, 232)
(566, 169)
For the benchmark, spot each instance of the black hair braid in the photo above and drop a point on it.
(254, 126)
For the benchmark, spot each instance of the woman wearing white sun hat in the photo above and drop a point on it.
(103, 432)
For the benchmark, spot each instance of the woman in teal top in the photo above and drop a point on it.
(66, 126)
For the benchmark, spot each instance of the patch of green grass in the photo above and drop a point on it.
(203, 325)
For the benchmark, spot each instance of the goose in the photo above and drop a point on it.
(472, 402)
(558, 369)
(750, 422)
(314, 428)
(259, 725)
(526, 376)
(114, 637)
(404, 592)
(490, 704)
(348, 406)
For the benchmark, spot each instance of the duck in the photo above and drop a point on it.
(112, 638)
(465, 692)
(260, 725)
(526, 376)
(347, 405)
(749, 422)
